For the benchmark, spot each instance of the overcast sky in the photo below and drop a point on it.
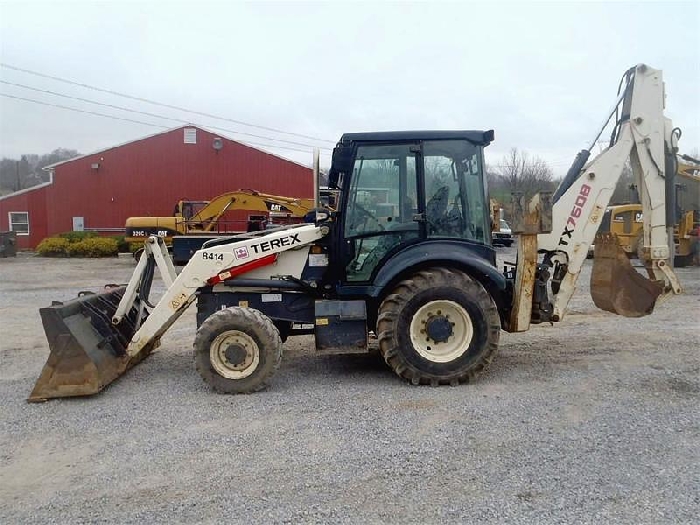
(542, 75)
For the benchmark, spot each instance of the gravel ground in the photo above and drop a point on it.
(594, 420)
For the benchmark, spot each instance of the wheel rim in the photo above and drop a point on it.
(428, 331)
(234, 354)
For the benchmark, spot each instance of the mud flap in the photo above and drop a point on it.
(87, 352)
(615, 285)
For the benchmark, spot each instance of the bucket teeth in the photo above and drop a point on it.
(87, 352)
(615, 285)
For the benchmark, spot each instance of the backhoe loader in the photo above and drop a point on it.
(406, 255)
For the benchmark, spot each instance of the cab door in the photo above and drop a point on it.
(382, 207)
(455, 191)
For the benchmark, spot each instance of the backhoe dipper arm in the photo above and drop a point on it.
(644, 134)
(209, 266)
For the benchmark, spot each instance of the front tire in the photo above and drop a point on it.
(438, 327)
(237, 350)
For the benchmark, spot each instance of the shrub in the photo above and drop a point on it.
(94, 247)
(77, 236)
(122, 245)
(53, 247)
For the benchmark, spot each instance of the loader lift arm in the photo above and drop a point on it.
(94, 339)
(209, 266)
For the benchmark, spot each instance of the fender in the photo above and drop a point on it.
(477, 260)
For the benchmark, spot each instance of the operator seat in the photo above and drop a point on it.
(436, 209)
(454, 221)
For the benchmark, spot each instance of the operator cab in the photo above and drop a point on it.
(189, 209)
(401, 188)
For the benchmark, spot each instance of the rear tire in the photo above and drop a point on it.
(438, 327)
(237, 350)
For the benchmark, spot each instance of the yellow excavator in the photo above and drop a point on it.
(626, 221)
(204, 217)
(195, 222)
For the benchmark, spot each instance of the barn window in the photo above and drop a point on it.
(19, 222)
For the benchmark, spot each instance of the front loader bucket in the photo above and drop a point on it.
(87, 351)
(615, 285)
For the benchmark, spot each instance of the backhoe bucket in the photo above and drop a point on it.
(88, 352)
(615, 285)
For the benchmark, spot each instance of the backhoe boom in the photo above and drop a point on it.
(645, 137)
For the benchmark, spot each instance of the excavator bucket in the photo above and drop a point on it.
(88, 352)
(615, 285)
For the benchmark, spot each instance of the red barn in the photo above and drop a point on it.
(145, 177)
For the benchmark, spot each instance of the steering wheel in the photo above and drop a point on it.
(366, 215)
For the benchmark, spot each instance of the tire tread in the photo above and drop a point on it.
(270, 343)
(390, 311)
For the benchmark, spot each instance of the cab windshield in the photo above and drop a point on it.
(190, 209)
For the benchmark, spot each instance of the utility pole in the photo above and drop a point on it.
(24, 171)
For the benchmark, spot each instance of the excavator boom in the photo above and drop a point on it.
(249, 200)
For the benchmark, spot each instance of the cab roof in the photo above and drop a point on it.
(483, 138)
